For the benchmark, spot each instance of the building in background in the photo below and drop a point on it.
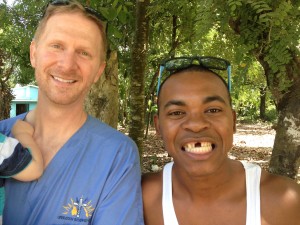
(25, 99)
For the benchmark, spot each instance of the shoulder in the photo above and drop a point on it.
(280, 196)
(103, 134)
(152, 180)
(151, 186)
(276, 184)
(152, 197)
(7, 124)
(105, 140)
(101, 129)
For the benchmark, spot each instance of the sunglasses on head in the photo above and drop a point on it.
(179, 63)
(87, 9)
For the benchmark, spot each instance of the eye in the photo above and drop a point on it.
(213, 110)
(57, 46)
(176, 113)
(84, 53)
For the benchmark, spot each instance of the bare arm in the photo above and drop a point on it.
(23, 132)
(280, 200)
(152, 198)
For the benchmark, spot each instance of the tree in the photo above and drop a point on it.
(137, 78)
(23, 19)
(102, 101)
(261, 26)
(5, 91)
(262, 106)
(6, 67)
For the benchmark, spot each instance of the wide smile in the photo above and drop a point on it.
(198, 147)
(63, 80)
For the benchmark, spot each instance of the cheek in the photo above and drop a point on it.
(169, 132)
(227, 132)
(168, 144)
(90, 74)
(45, 61)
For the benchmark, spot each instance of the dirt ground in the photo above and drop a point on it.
(252, 143)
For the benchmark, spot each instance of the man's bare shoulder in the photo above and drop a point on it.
(152, 182)
(275, 184)
(152, 198)
(280, 198)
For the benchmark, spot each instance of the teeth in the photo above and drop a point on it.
(202, 147)
(63, 80)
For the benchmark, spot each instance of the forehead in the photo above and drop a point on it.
(70, 22)
(200, 83)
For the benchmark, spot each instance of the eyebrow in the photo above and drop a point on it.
(214, 98)
(205, 101)
(174, 102)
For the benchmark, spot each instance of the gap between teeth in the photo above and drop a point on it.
(205, 147)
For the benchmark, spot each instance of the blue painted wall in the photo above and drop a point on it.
(25, 99)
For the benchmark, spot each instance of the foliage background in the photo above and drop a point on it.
(197, 34)
(259, 37)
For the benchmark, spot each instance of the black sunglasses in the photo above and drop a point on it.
(180, 63)
(87, 9)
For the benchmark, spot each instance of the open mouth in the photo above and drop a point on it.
(198, 147)
(63, 80)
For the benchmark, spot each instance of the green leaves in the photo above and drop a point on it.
(242, 31)
(234, 4)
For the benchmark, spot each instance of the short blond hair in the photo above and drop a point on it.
(72, 6)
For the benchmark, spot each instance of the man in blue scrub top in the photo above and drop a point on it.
(92, 171)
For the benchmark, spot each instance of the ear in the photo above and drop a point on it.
(100, 71)
(234, 120)
(32, 53)
(156, 123)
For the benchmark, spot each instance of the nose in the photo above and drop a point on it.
(67, 61)
(196, 122)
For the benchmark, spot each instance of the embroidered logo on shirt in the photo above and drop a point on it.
(78, 210)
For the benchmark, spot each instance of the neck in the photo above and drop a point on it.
(207, 187)
(54, 126)
(57, 119)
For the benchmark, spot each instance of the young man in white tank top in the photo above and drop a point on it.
(203, 186)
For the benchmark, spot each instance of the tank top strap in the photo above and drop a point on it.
(253, 174)
(167, 196)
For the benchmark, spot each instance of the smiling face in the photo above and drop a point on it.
(196, 121)
(67, 58)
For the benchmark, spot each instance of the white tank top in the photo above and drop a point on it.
(253, 173)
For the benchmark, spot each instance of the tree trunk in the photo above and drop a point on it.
(262, 104)
(103, 99)
(137, 78)
(6, 95)
(285, 159)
